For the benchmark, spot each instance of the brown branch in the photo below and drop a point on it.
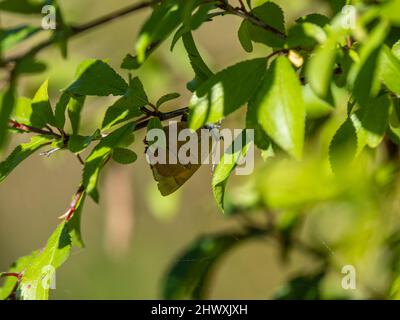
(162, 116)
(10, 274)
(77, 30)
(112, 16)
(251, 18)
(29, 129)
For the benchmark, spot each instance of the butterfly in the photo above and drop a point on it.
(170, 175)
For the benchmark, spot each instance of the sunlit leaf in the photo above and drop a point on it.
(225, 92)
(227, 164)
(20, 153)
(99, 155)
(35, 283)
(343, 147)
(17, 267)
(280, 107)
(128, 106)
(165, 18)
(364, 75)
(13, 36)
(390, 70)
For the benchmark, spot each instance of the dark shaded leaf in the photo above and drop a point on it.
(343, 147)
(124, 156)
(97, 78)
(188, 278)
(280, 107)
(6, 108)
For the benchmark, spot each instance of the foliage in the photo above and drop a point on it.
(322, 97)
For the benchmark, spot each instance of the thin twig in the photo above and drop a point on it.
(26, 128)
(75, 31)
(9, 274)
(251, 18)
(74, 204)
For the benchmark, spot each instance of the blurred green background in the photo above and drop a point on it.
(134, 235)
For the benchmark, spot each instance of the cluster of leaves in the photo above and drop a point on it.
(289, 94)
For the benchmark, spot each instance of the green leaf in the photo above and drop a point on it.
(165, 18)
(304, 287)
(261, 139)
(99, 155)
(306, 35)
(6, 107)
(396, 49)
(189, 277)
(371, 122)
(24, 6)
(201, 15)
(124, 156)
(319, 70)
(61, 106)
(20, 153)
(390, 10)
(37, 276)
(23, 111)
(200, 68)
(136, 94)
(280, 107)
(130, 63)
(227, 164)
(364, 75)
(389, 68)
(29, 65)
(271, 14)
(42, 113)
(74, 107)
(167, 97)
(337, 5)
(63, 32)
(77, 143)
(17, 267)
(128, 106)
(314, 18)
(225, 92)
(244, 36)
(97, 78)
(343, 147)
(9, 38)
